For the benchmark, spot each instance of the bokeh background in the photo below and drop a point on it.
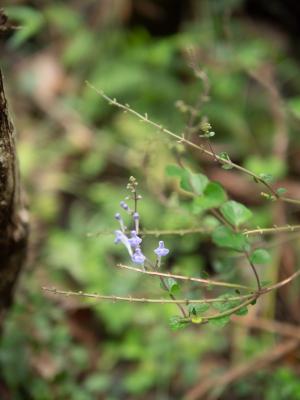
(76, 155)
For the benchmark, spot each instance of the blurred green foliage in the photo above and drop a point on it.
(76, 154)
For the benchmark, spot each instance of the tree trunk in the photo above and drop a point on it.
(13, 215)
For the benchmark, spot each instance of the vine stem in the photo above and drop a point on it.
(186, 278)
(227, 312)
(182, 139)
(132, 299)
(188, 231)
(254, 270)
(249, 298)
(172, 297)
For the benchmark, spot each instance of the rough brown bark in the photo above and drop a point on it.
(13, 215)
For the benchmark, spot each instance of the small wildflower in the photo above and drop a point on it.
(121, 238)
(135, 240)
(161, 251)
(124, 205)
(118, 236)
(119, 218)
(136, 218)
(138, 257)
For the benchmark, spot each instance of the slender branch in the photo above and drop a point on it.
(281, 283)
(275, 229)
(254, 270)
(172, 297)
(186, 278)
(201, 230)
(132, 299)
(231, 310)
(182, 139)
(180, 232)
(249, 298)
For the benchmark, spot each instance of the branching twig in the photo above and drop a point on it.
(248, 298)
(182, 139)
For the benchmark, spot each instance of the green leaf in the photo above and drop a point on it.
(260, 256)
(224, 304)
(31, 20)
(220, 322)
(189, 181)
(226, 157)
(176, 323)
(195, 183)
(198, 308)
(266, 177)
(225, 237)
(242, 311)
(213, 196)
(173, 286)
(223, 265)
(174, 170)
(208, 135)
(281, 191)
(235, 213)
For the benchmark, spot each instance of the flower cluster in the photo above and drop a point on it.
(133, 242)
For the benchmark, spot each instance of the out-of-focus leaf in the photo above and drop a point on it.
(235, 213)
(195, 183)
(219, 322)
(31, 22)
(213, 196)
(260, 256)
(225, 237)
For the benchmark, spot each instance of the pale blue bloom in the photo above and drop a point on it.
(122, 238)
(138, 257)
(135, 240)
(161, 251)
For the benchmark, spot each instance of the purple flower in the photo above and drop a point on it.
(118, 216)
(135, 240)
(121, 222)
(118, 237)
(124, 205)
(161, 251)
(121, 238)
(138, 257)
(136, 216)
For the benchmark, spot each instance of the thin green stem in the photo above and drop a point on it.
(181, 139)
